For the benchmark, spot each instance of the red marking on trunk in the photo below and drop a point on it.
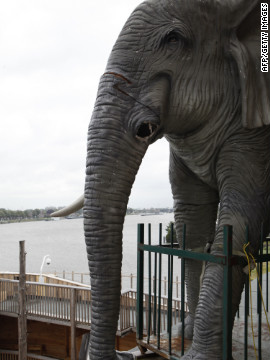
(119, 76)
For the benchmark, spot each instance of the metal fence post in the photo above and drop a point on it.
(183, 292)
(159, 288)
(140, 282)
(246, 307)
(155, 296)
(227, 294)
(259, 296)
(267, 274)
(170, 291)
(149, 285)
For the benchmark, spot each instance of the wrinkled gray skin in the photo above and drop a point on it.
(188, 70)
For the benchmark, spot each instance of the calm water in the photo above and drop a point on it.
(64, 242)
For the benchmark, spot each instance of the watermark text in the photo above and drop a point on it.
(264, 37)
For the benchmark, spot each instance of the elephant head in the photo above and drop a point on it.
(187, 70)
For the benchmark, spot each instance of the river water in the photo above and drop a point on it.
(63, 240)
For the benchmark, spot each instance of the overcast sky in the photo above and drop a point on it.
(52, 54)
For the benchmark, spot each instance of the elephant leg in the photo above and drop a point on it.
(195, 240)
(207, 342)
(195, 204)
(244, 191)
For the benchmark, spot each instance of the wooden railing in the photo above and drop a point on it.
(47, 278)
(9, 296)
(54, 302)
(14, 355)
(47, 301)
(129, 281)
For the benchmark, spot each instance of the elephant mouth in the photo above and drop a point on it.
(147, 132)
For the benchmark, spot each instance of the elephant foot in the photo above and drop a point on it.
(195, 355)
(189, 326)
(124, 355)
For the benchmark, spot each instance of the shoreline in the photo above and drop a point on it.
(23, 221)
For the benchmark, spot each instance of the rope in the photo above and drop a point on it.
(251, 316)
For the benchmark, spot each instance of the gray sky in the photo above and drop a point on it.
(52, 54)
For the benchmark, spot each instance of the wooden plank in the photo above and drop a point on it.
(126, 342)
(22, 319)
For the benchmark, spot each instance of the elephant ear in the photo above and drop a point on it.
(245, 44)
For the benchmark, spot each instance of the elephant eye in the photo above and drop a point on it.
(172, 37)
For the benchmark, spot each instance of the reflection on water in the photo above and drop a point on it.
(63, 240)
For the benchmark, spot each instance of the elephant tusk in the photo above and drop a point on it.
(70, 209)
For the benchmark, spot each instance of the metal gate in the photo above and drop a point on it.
(150, 308)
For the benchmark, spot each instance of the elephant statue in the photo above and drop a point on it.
(188, 70)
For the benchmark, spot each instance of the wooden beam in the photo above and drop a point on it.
(67, 342)
(22, 319)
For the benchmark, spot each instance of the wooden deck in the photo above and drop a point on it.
(51, 304)
(66, 310)
(52, 301)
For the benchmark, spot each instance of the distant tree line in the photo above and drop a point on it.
(7, 215)
(26, 215)
(131, 211)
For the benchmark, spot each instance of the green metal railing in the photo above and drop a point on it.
(227, 260)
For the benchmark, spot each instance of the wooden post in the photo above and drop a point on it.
(131, 281)
(73, 323)
(165, 285)
(22, 319)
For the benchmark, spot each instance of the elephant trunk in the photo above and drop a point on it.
(113, 159)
